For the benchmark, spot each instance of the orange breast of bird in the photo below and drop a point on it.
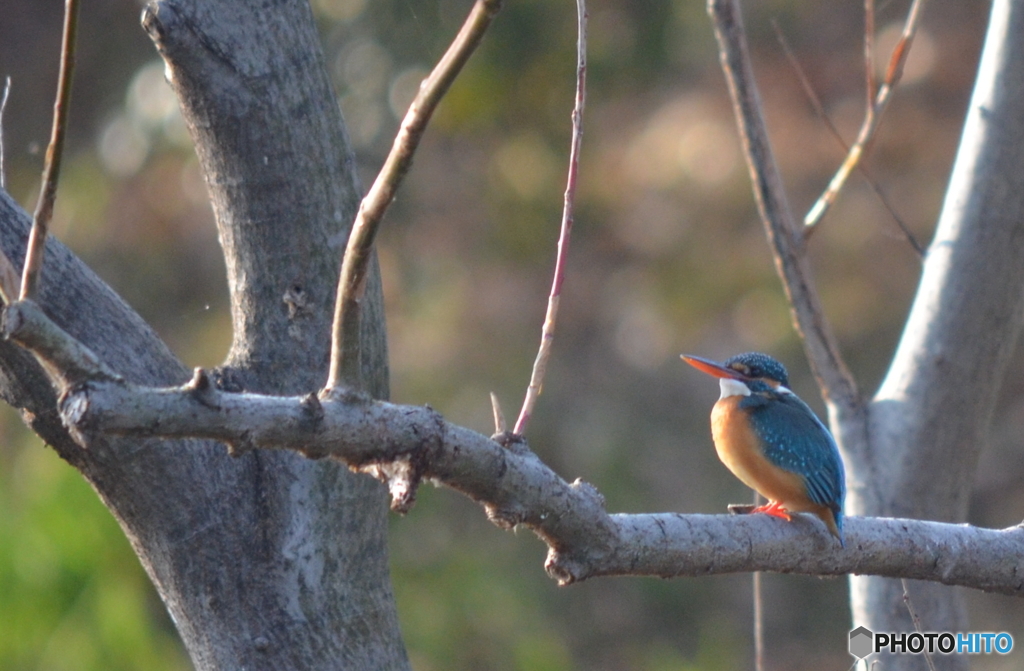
(740, 450)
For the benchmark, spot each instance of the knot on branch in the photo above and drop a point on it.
(297, 301)
(312, 409)
(347, 395)
(513, 442)
(151, 22)
(202, 389)
(73, 406)
(506, 518)
(241, 445)
(226, 378)
(589, 493)
(311, 421)
(402, 477)
(563, 568)
(405, 470)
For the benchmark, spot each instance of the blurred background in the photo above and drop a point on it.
(667, 257)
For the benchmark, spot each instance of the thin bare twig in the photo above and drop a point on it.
(916, 620)
(499, 417)
(869, 50)
(758, 585)
(9, 281)
(875, 108)
(3, 106)
(758, 621)
(836, 383)
(345, 366)
(819, 109)
(54, 153)
(547, 335)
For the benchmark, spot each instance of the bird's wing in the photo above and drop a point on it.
(797, 441)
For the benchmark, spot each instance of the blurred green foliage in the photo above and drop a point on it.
(72, 593)
(667, 257)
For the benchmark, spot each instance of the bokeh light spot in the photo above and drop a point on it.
(761, 319)
(363, 67)
(706, 152)
(339, 10)
(404, 88)
(686, 139)
(363, 118)
(123, 147)
(653, 225)
(151, 101)
(643, 337)
(526, 164)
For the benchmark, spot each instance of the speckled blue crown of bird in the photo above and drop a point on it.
(755, 365)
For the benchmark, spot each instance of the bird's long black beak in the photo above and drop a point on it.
(712, 368)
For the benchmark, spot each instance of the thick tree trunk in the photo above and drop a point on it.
(268, 561)
(930, 418)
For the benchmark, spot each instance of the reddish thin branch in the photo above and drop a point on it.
(547, 335)
(54, 154)
(876, 106)
(345, 366)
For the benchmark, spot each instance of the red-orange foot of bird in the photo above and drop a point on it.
(775, 509)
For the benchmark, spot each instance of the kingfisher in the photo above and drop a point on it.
(773, 442)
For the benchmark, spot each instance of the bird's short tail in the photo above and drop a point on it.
(837, 530)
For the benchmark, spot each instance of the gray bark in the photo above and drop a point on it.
(930, 419)
(270, 560)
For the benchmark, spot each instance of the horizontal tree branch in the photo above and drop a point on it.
(404, 444)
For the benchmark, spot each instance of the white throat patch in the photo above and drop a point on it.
(732, 387)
